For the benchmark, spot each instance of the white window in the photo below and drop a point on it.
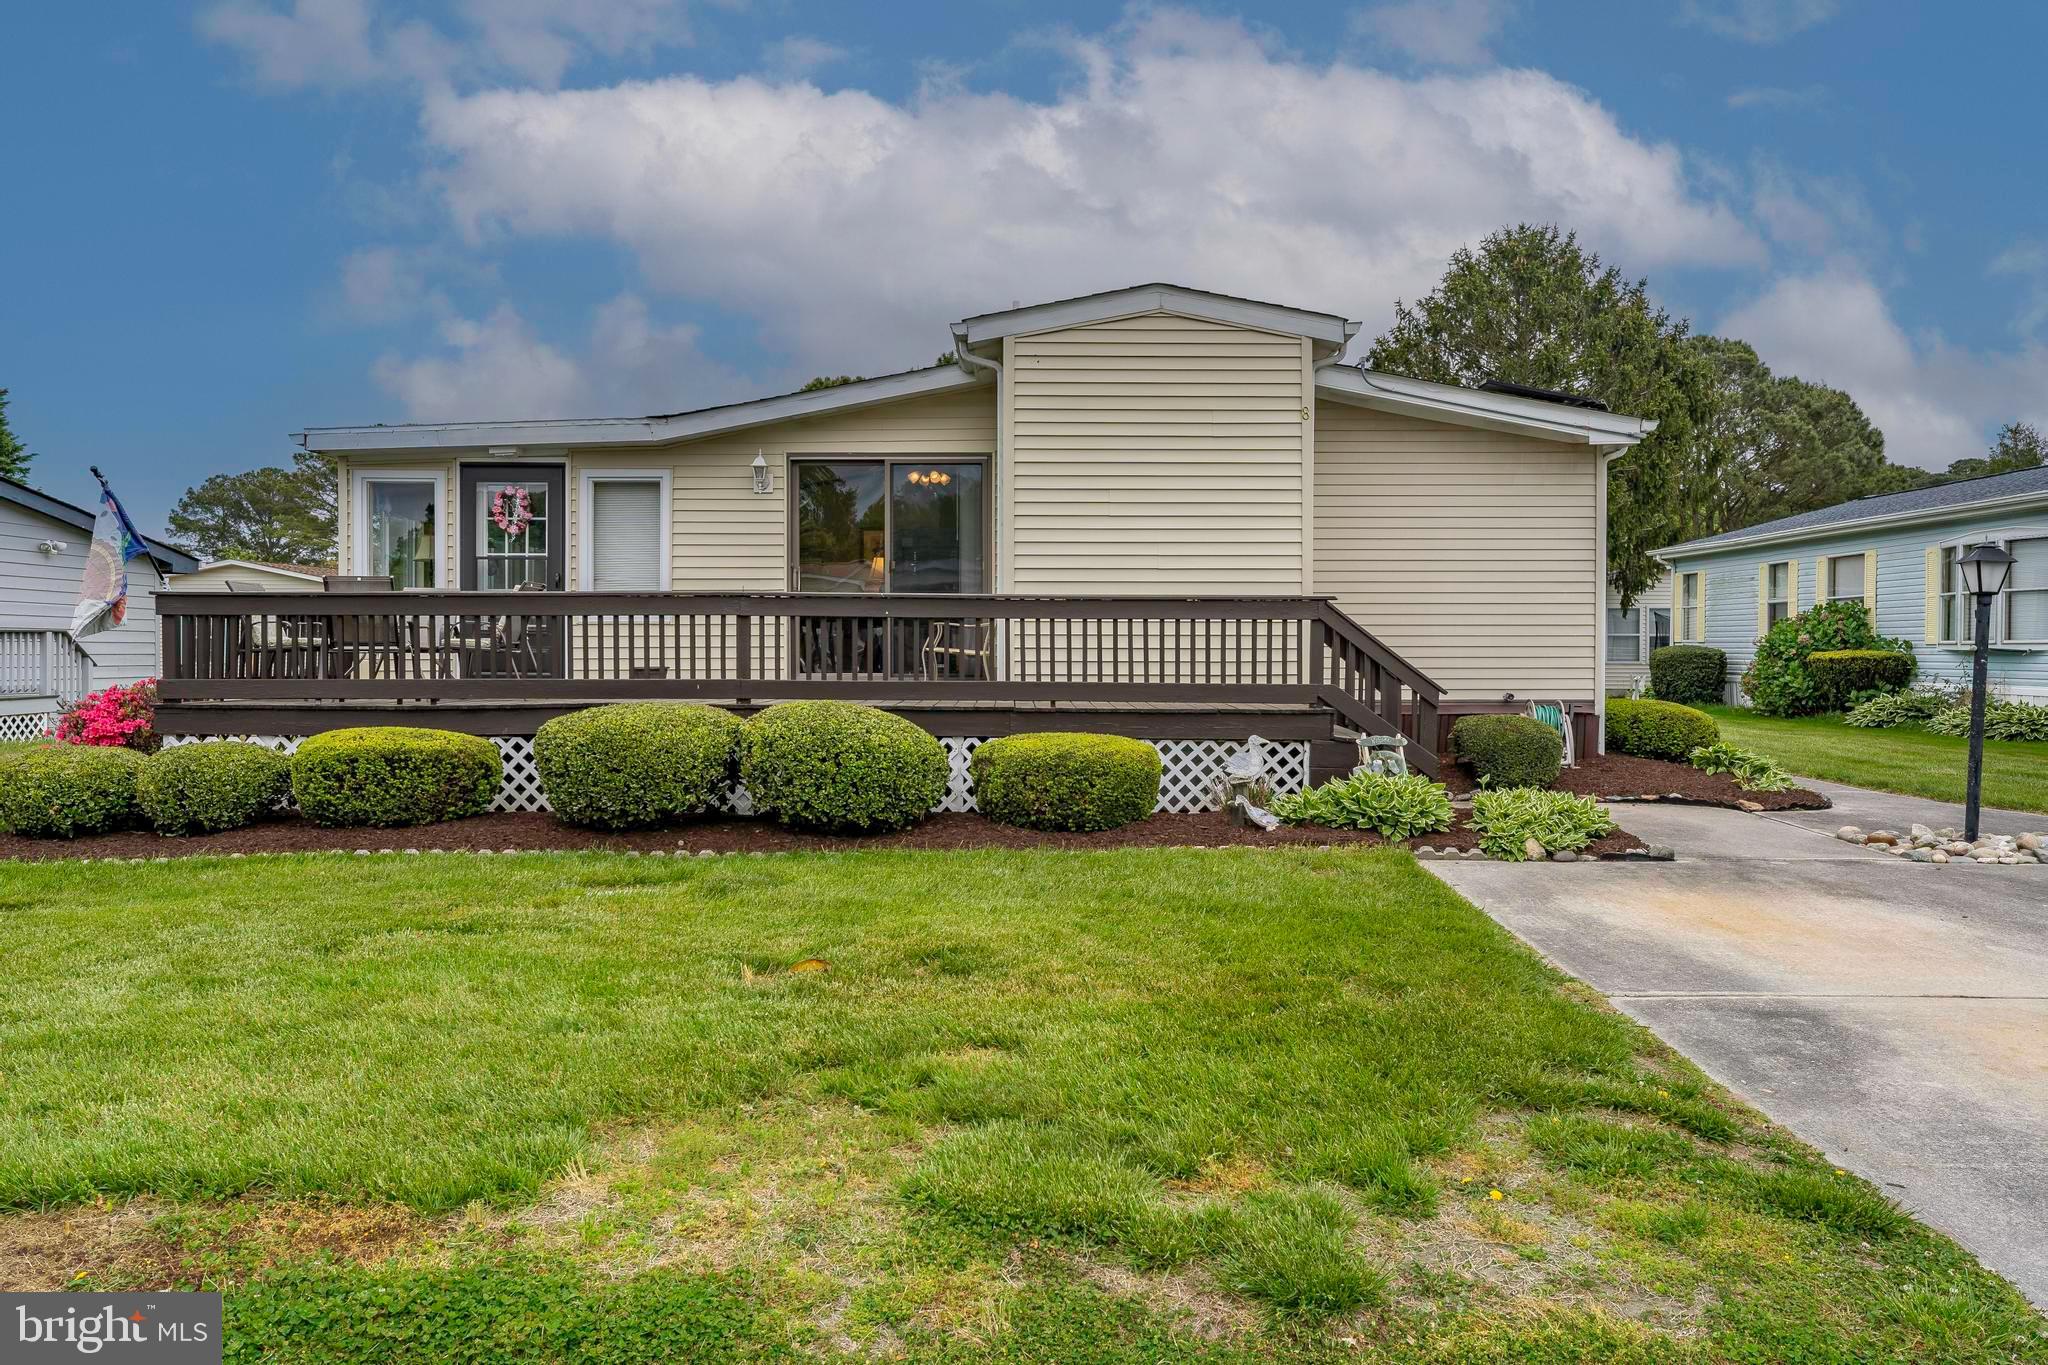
(2026, 594)
(1777, 592)
(397, 517)
(624, 531)
(1958, 610)
(1690, 626)
(1845, 578)
(1625, 635)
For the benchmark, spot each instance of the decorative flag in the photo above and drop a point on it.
(103, 596)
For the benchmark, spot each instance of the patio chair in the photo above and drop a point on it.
(1553, 714)
(362, 646)
(956, 649)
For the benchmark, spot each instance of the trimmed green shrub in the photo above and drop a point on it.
(389, 775)
(60, 791)
(2012, 720)
(1508, 819)
(836, 765)
(1688, 673)
(638, 763)
(1898, 708)
(1752, 771)
(1778, 681)
(209, 787)
(1509, 751)
(1657, 729)
(1842, 677)
(1392, 807)
(1066, 781)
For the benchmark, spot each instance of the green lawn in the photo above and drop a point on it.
(1135, 1105)
(1903, 759)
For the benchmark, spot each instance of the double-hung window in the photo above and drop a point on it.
(1691, 622)
(2025, 619)
(1778, 592)
(1844, 581)
(625, 531)
(1625, 635)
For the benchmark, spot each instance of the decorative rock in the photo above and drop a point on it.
(2032, 842)
(1880, 836)
(1750, 806)
(1937, 856)
(2027, 855)
(1919, 832)
(2008, 858)
(1957, 848)
(1924, 855)
(1646, 796)
(1849, 834)
(1564, 855)
(1532, 848)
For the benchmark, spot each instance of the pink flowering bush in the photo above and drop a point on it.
(116, 718)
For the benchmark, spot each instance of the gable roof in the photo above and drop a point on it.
(169, 558)
(1562, 418)
(1329, 329)
(1992, 492)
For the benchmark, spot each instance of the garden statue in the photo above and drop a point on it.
(1382, 756)
(1244, 777)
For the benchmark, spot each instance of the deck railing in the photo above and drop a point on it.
(581, 647)
(43, 663)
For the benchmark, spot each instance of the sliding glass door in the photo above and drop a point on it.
(891, 525)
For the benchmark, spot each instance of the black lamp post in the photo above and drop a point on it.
(1985, 570)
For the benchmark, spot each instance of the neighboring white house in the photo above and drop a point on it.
(220, 575)
(1633, 633)
(43, 542)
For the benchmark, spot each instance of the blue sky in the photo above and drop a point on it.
(231, 221)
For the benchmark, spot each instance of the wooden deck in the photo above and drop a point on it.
(498, 663)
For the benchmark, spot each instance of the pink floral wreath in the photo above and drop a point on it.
(511, 509)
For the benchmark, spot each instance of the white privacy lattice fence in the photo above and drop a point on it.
(30, 726)
(1189, 770)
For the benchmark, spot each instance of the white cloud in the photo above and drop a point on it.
(499, 367)
(1935, 402)
(1436, 32)
(330, 44)
(1758, 21)
(1778, 97)
(799, 56)
(2027, 260)
(1812, 214)
(854, 227)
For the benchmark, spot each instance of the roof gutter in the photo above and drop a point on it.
(2016, 501)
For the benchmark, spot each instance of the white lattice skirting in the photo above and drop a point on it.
(32, 726)
(1190, 770)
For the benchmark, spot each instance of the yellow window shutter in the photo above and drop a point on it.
(1870, 584)
(1763, 600)
(1820, 579)
(1792, 587)
(1703, 608)
(1932, 632)
(1678, 607)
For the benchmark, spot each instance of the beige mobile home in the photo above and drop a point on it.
(1169, 512)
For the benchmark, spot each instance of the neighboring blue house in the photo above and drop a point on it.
(1894, 552)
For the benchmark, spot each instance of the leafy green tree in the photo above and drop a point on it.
(2019, 446)
(1768, 446)
(14, 456)
(833, 381)
(273, 514)
(1531, 306)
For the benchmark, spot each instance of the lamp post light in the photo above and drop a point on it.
(1985, 569)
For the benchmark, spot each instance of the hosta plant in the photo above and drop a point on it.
(1392, 807)
(1508, 818)
(1752, 771)
(2010, 720)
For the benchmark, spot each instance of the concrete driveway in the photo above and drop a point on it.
(1893, 1014)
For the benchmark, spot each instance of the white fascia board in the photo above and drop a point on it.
(631, 431)
(1478, 408)
(2016, 503)
(260, 568)
(1327, 328)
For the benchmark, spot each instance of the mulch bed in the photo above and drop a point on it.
(1619, 777)
(529, 832)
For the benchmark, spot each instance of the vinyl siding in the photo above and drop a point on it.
(1901, 592)
(38, 592)
(1474, 553)
(1156, 453)
(215, 579)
